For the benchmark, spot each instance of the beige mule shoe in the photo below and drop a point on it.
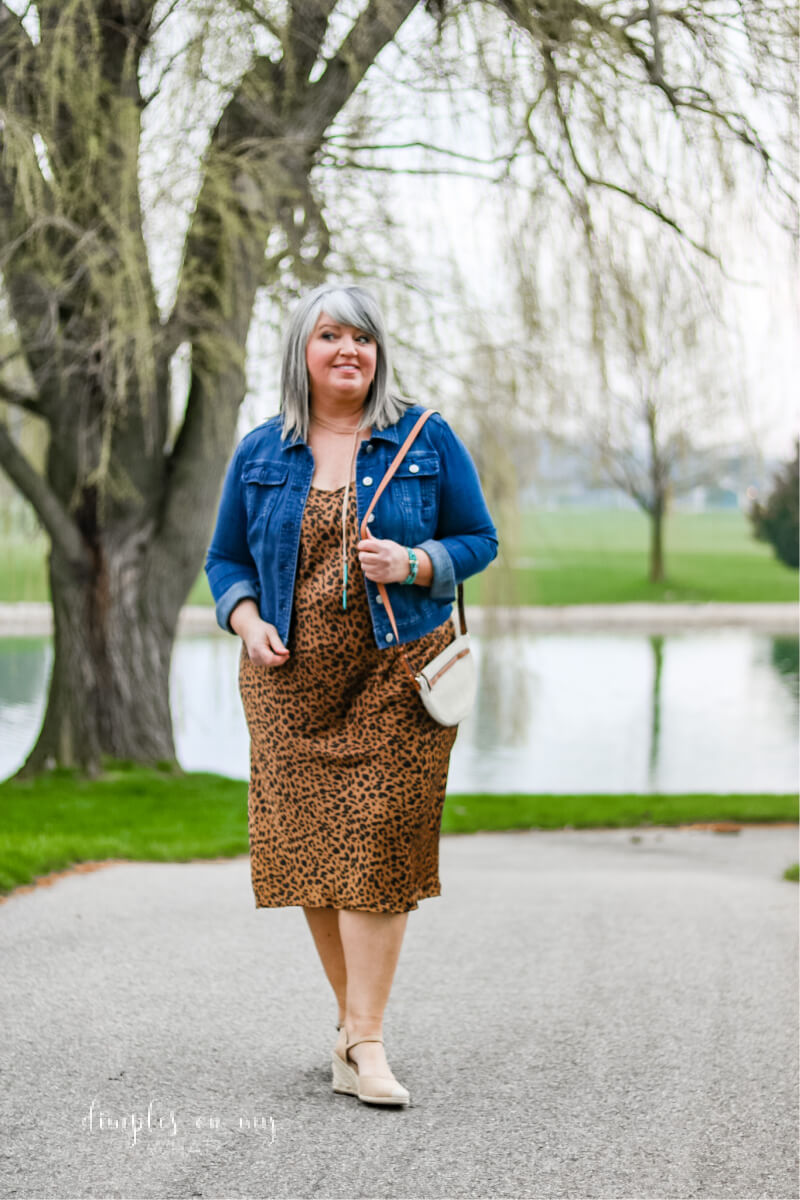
(370, 1089)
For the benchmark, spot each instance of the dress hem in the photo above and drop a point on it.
(349, 907)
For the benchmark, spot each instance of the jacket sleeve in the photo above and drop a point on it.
(466, 539)
(231, 572)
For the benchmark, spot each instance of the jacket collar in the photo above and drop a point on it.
(292, 443)
(386, 435)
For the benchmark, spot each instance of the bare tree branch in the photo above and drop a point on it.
(10, 395)
(164, 17)
(341, 141)
(308, 23)
(172, 59)
(373, 29)
(591, 180)
(63, 531)
(435, 172)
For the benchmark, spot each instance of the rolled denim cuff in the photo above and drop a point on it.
(443, 584)
(243, 589)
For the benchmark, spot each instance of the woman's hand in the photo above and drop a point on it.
(264, 646)
(384, 561)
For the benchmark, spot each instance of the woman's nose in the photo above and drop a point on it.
(348, 344)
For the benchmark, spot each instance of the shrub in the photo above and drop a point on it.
(777, 520)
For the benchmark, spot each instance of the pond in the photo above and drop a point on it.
(711, 710)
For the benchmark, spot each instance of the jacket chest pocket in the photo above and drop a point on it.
(415, 490)
(262, 484)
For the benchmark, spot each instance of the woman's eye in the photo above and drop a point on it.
(364, 337)
(327, 336)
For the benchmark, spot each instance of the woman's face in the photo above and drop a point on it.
(341, 361)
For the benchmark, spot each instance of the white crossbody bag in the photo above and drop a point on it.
(447, 685)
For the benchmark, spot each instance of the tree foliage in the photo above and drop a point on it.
(776, 520)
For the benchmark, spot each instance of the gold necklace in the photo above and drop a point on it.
(335, 428)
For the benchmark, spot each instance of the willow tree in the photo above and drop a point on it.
(127, 505)
(665, 384)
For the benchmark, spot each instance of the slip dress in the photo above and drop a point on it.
(347, 769)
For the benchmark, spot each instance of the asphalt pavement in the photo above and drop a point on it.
(580, 1014)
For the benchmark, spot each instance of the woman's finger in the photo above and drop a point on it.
(383, 561)
(275, 643)
(266, 648)
(265, 657)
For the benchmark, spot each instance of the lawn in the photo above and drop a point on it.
(590, 556)
(55, 821)
(568, 556)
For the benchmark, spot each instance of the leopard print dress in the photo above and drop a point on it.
(347, 769)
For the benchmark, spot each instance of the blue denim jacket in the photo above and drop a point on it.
(434, 502)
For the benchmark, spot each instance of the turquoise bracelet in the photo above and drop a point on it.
(413, 566)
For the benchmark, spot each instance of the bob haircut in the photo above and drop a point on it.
(349, 305)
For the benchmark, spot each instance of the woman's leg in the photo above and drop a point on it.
(324, 926)
(371, 943)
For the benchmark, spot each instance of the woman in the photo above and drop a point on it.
(348, 770)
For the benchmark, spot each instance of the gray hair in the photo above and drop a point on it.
(349, 305)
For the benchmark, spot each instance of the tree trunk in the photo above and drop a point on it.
(656, 542)
(109, 690)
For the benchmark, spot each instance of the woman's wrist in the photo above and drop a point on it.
(243, 616)
(424, 573)
(412, 567)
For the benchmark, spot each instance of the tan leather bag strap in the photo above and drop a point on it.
(365, 533)
(390, 470)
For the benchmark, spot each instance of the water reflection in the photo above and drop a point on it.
(557, 712)
(24, 674)
(785, 659)
(657, 646)
(507, 696)
(605, 711)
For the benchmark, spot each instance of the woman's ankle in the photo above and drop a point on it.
(362, 1027)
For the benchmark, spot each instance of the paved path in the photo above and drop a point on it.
(580, 1014)
(37, 619)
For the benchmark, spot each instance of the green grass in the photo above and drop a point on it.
(468, 814)
(23, 576)
(57, 820)
(589, 556)
(568, 556)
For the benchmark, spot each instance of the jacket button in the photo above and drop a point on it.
(370, 518)
(389, 637)
(369, 448)
(367, 480)
(379, 599)
(413, 468)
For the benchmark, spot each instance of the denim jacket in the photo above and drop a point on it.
(434, 502)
